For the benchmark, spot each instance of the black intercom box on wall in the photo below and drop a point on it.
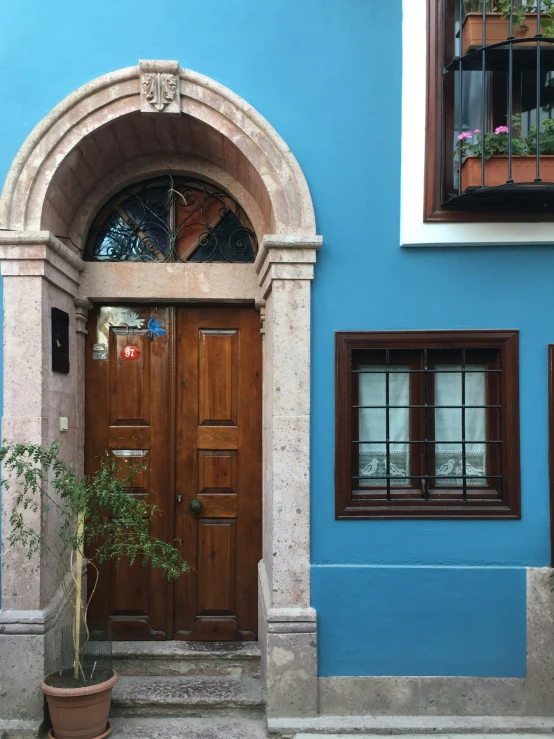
(60, 341)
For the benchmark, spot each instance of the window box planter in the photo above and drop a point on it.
(498, 30)
(524, 169)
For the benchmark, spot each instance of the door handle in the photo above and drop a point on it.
(196, 505)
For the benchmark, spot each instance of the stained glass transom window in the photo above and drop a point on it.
(172, 219)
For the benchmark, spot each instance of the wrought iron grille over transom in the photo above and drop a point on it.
(497, 103)
(172, 219)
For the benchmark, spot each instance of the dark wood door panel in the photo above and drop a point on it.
(218, 458)
(217, 471)
(217, 438)
(130, 377)
(217, 541)
(188, 406)
(129, 415)
(129, 437)
(218, 371)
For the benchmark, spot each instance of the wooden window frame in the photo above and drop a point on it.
(433, 211)
(506, 342)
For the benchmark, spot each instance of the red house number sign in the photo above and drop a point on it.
(130, 352)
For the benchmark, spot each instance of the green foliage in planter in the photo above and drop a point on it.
(546, 139)
(520, 12)
(470, 144)
(95, 512)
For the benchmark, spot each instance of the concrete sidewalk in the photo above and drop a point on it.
(243, 728)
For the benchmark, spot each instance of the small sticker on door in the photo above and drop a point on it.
(155, 328)
(130, 352)
(100, 352)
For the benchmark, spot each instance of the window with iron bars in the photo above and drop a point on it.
(490, 110)
(427, 425)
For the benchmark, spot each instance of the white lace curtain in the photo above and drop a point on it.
(448, 425)
(373, 426)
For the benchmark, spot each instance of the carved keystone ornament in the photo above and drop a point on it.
(159, 87)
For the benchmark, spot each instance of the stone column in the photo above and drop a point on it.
(287, 623)
(38, 273)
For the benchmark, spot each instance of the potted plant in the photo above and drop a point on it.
(496, 148)
(95, 513)
(497, 22)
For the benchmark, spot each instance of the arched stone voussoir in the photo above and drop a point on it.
(31, 194)
(151, 166)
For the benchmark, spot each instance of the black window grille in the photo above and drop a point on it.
(456, 463)
(430, 429)
(497, 104)
(172, 219)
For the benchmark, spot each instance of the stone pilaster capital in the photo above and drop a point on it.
(82, 308)
(286, 258)
(40, 254)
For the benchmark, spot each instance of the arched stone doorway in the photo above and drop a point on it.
(121, 128)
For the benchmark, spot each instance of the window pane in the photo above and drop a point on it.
(468, 112)
(449, 428)
(373, 426)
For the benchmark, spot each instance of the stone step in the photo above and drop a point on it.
(165, 658)
(188, 696)
(189, 728)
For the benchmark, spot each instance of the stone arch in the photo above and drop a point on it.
(145, 167)
(104, 136)
(231, 133)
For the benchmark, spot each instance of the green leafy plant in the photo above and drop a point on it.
(470, 143)
(546, 138)
(96, 515)
(520, 12)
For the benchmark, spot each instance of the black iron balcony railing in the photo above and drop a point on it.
(498, 104)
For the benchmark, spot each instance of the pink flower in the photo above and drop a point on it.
(502, 129)
(464, 135)
(477, 130)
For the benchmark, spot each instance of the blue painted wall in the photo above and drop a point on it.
(388, 580)
(420, 621)
(332, 89)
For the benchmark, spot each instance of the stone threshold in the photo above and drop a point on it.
(191, 650)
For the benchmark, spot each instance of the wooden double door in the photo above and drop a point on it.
(178, 389)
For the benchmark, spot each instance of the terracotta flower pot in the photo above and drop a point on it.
(498, 30)
(80, 713)
(524, 169)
